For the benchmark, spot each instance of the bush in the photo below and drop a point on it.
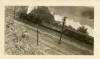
(82, 29)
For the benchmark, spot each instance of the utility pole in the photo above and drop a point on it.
(64, 19)
(14, 11)
(37, 34)
(37, 23)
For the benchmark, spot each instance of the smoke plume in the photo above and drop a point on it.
(74, 24)
(30, 8)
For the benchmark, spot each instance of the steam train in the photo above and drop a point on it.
(68, 32)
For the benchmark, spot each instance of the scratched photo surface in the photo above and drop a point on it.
(49, 30)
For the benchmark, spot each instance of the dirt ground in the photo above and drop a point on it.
(15, 44)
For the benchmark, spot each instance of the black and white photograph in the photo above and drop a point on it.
(49, 30)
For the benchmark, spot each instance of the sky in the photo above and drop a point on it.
(73, 12)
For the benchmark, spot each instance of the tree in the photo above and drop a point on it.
(43, 14)
(82, 29)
